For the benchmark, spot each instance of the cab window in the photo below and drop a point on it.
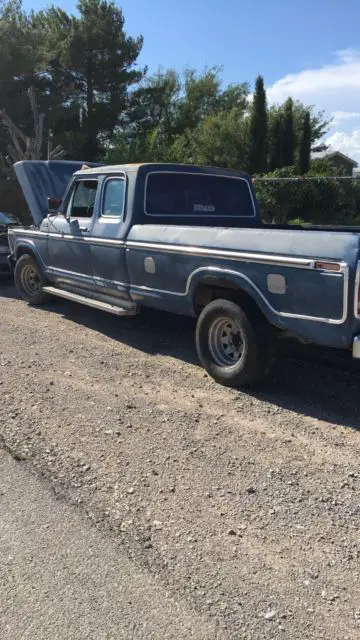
(114, 198)
(82, 200)
(197, 194)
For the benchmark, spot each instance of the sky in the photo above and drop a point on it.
(309, 50)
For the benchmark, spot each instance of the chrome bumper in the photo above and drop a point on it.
(356, 347)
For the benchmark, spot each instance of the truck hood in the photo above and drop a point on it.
(42, 179)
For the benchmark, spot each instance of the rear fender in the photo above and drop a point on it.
(237, 282)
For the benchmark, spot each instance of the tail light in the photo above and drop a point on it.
(328, 266)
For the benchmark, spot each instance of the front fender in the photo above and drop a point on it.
(27, 245)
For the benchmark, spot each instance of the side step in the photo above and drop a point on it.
(130, 310)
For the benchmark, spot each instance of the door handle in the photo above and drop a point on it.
(83, 228)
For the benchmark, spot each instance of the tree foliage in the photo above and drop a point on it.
(305, 145)
(82, 67)
(289, 134)
(97, 103)
(259, 129)
(323, 197)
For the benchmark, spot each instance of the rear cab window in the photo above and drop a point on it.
(191, 194)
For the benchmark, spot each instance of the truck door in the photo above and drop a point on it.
(69, 235)
(108, 239)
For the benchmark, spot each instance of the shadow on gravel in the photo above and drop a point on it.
(316, 382)
(7, 287)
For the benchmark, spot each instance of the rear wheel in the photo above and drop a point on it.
(234, 347)
(29, 281)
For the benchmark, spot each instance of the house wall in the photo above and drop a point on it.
(339, 162)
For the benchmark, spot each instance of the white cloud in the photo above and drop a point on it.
(348, 143)
(323, 84)
(333, 88)
(340, 116)
(347, 55)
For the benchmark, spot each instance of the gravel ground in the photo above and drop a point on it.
(244, 505)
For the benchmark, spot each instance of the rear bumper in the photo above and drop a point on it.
(356, 347)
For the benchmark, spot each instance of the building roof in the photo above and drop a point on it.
(328, 154)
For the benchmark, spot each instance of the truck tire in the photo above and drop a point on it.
(29, 280)
(234, 347)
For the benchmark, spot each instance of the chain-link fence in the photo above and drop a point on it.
(316, 200)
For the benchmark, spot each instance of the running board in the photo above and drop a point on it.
(130, 310)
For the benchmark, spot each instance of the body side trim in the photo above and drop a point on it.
(240, 256)
(283, 314)
(59, 272)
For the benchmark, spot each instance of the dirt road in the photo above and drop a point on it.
(244, 506)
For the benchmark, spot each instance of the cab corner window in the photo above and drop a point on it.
(82, 200)
(114, 198)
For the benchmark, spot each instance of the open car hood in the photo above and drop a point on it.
(41, 179)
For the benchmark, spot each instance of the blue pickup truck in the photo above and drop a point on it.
(187, 240)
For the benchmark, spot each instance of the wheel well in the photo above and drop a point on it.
(23, 251)
(207, 292)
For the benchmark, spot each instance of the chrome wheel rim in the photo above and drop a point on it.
(225, 342)
(30, 280)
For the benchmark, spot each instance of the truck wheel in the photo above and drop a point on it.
(235, 348)
(28, 280)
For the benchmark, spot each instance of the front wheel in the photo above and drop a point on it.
(28, 280)
(235, 348)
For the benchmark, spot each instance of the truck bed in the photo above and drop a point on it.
(312, 227)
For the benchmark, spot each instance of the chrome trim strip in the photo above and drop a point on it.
(357, 286)
(241, 256)
(29, 232)
(191, 215)
(346, 271)
(56, 270)
(282, 314)
(93, 279)
(112, 242)
(356, 347)
(106, 242)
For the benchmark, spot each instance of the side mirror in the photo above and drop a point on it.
(53, 204)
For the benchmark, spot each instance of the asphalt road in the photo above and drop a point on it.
(62, 579)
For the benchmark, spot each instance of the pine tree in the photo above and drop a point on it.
(258, 129)
(276, 143)
(305, 145)
(289, 134)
